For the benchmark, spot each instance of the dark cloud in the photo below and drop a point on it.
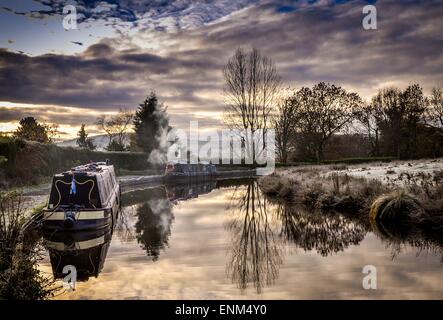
(328, 43)
(92, 80)
(98, 50)
(48, 114)
(325, 42)
(185, 13)
(10, 114)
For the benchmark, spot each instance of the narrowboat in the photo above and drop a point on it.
(86, 197)
(189, 171)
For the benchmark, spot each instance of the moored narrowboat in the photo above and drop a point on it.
(86, 197)
(184, 171)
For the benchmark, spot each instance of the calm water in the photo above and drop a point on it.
(222, 242)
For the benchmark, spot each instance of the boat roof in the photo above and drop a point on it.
(90, 169)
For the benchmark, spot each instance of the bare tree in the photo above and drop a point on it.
(435, 114)
(251, 93)
(368, 120)
(116, 126)
(285, 124)
(323, 111)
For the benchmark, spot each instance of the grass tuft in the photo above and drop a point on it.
(396, 206)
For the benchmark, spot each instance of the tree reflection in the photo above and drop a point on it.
(256, 253)
(326, 233)
(154, 219)
(152, 210)
(259, 229)
(423, 237)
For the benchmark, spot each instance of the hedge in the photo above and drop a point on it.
(26, 159)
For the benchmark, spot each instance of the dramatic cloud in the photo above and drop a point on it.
(309, 41)
(180, 13)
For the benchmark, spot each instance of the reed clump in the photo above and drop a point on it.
(396, 206)
(277, 186)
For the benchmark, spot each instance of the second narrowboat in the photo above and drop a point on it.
(178, 171)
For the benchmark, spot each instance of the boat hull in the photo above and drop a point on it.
(82, 220)
(78, 225)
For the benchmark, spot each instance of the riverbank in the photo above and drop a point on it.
(409, 190)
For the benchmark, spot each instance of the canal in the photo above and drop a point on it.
(226, 240)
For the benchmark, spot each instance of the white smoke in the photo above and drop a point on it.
(158, 156)
(162, 208)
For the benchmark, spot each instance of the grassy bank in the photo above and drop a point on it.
(346, 161)
(418, 202)
(29, 162)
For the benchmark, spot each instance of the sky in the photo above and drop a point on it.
(121, 50)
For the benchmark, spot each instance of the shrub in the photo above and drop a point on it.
(270, 185)
(310, 195)
(20, 278)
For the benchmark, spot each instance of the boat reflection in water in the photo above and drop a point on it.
(189, 191)
(85, 250)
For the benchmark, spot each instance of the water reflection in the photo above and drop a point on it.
(255, 253)
(154, 221)
(261, 237)
(325, 233)
(259, 229)
(189, 191)
(424, 238)
(153, 211)
(86, 251)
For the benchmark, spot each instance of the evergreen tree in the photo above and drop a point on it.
(83, 141)
(82, 136)
(30, 129)
(150, 123)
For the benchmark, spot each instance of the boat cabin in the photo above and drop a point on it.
(85, 197)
